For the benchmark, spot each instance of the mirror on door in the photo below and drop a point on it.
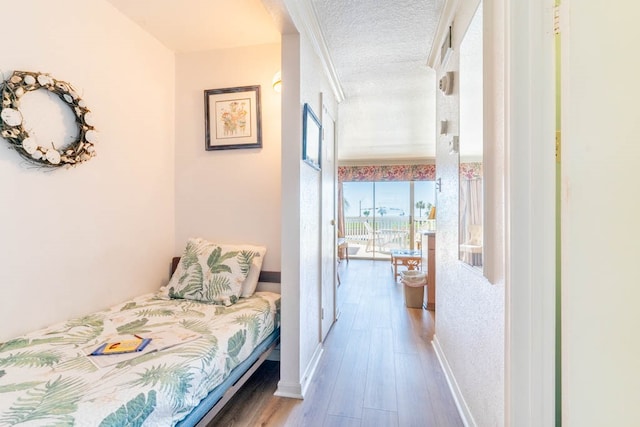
(471, 144)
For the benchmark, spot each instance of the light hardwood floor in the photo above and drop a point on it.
(378, 366)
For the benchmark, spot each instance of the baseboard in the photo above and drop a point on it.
(311, 368)
(298, 390)
(463, 409)
(290, 390)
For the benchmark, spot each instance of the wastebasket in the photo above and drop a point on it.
(414, 282)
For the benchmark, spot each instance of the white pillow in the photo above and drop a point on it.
(251, 282)
(211, 272)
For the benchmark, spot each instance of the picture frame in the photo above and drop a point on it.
(232, 118)
(447, 48)
(311, 138)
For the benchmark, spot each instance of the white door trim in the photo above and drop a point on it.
(530, 216)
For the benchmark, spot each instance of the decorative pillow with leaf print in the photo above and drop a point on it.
(210, 272)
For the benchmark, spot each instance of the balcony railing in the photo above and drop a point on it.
(383, 233)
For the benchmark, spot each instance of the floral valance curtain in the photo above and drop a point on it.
(387, 173)
(471, 171)
(402, 172)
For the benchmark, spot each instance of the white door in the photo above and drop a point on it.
(328, 216)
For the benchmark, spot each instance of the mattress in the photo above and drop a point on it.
(48, 378)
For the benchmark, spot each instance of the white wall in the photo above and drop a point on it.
(229, 196)
(74, 241)
(290, 383)
(530, 184)
(469, 309)
(600, 204)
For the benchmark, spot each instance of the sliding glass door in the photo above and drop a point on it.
(424, 206)
(385, 215)
(393, 216)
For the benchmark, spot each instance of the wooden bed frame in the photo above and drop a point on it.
(211, 405)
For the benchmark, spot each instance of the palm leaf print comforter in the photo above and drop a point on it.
(46, 378)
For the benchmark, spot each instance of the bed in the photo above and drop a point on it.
(202, 352)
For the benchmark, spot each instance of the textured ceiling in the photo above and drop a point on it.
(376, 37)
(379, 49)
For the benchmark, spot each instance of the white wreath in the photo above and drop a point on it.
(12, 129)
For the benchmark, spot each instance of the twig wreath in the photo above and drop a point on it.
(12, 123)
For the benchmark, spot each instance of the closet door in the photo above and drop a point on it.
(328, 221)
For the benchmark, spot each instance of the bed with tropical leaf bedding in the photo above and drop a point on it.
(207, 328)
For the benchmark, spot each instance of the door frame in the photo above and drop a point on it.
(530, 253)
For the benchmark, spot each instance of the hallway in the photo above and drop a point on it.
(378, 366)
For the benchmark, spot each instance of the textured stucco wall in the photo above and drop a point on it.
(301, 198)
(470, 310)
(313, 83)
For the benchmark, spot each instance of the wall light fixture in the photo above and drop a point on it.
(277, 82)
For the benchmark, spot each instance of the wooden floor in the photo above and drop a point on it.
(378, 366)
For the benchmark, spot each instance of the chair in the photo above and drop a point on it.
(343, 248)
(471, 249)
(384, 239)
(371, 236)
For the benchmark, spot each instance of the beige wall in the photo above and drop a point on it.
(74, 241)
(600, 204)
(470, 309)
(229, 196)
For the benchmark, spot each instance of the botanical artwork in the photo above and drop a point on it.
(233, 118)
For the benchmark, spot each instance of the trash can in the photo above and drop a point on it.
(414, 282)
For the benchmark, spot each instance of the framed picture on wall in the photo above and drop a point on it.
(232, 118)
(311, 138)
(446, 49)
